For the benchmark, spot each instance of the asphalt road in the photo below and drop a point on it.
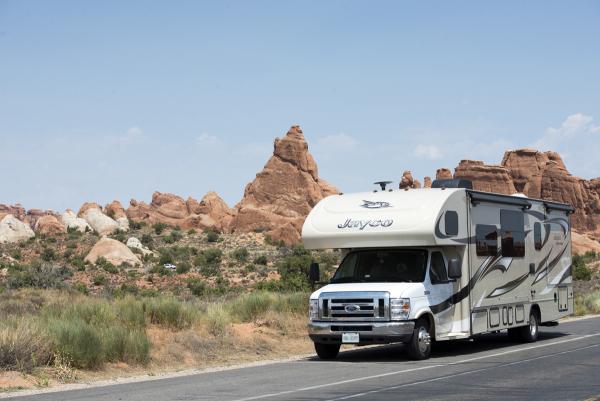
(563, 365)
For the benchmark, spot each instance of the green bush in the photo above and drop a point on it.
(99, 279)
(106, 265)
(183, 267)
(82, 288)
(136, 225)
(211, 235)
(120, 236)
(197, 286)
(78, 341)
(159, 228)
(123, 344)
(147, 240)
(213, 256)
(261, 260)
(170, 313)
(587, 304)
(191, 231)
(293, 270)
(241, 254)
(38, 276)
(217, 319)
(48, 254)
(249, 307)
(580, 269)
(23, 345)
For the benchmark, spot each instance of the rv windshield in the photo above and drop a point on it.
(384, 265)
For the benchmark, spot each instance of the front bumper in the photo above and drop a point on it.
(369, 332)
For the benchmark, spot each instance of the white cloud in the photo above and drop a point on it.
(575, 127)
(428, 151)
(339, 141)
(133, 135)
(207, 140)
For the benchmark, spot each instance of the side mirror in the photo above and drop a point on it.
(454, 269)
(314, 273)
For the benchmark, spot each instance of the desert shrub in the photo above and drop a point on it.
(82, 288)
(16, 254)
(191, 231)
(249, 268)
(48, 254)
(580, 269)
(106, 265)
(211, 235)
(217, 319)
(73, 233)
(123, 344)
(270, 241)
(120, 236)
(197, 286)
(136, 225)
(213, 255)
(294, 303)
(587, 304)
(78, 262)
(249, 307)
(173, 237)
(169, 312)
(23, 345)
(261, 260)
(78, 341)
(183, 267)
(99, 279)
(38, 276)
(159, 228)
(240, 254)
(293, 270)
(147, 240)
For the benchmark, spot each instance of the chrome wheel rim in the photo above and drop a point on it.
(533, 326)
(423, 339)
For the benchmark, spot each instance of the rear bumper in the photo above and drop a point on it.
(370, 333)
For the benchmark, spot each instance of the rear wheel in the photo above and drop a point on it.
(419, 346)
(529, 333)
(327, 351)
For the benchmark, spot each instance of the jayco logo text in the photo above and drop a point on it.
(362, 224)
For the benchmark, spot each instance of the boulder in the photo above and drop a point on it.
(280, 197)
(443, 174)
(582, 243)
(427, 182)
(113, 251)
(14, 230)
(116, 212)
(49, 225)
(70, 220)
(17, 211)
(101, 223)
(133, 242)
(486, 177)
(210, 212)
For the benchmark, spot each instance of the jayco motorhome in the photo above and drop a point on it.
(438, 263)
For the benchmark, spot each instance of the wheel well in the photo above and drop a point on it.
(536, 309)
(429, 318)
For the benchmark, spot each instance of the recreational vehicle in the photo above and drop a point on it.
(439, 263)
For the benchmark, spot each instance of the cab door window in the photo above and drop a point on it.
(437, 270)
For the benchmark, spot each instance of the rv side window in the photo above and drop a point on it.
(537, 236)
(512, 227)
(487, 240)
(438, 273)
(451, 219)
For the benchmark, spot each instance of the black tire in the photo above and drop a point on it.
(419, 346)
(327, 351)
(529, 333)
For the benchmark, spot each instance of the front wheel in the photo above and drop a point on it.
(327, 351)
(419, 346)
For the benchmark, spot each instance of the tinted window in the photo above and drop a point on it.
(451, 222)
(406, 265)
(487, 240)
(438, 273)
(512, 230)
(537, 236)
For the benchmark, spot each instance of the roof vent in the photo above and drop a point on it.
(383, 184)
(455, 183)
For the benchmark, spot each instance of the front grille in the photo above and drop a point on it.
(354, 306)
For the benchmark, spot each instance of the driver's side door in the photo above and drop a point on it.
(440, 293)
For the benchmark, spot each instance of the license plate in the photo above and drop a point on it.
(350, 338)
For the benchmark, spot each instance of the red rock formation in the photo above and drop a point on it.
(284, 192)
(115, 210)
(486, 177)
(49, 225)
(443, 174)
(210, 212)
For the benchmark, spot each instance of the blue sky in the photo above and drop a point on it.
(113, 100)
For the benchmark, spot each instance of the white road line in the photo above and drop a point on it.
(460, 374)
(358, 379)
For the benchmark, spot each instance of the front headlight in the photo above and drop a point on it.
(399, 308)
(313, 309)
